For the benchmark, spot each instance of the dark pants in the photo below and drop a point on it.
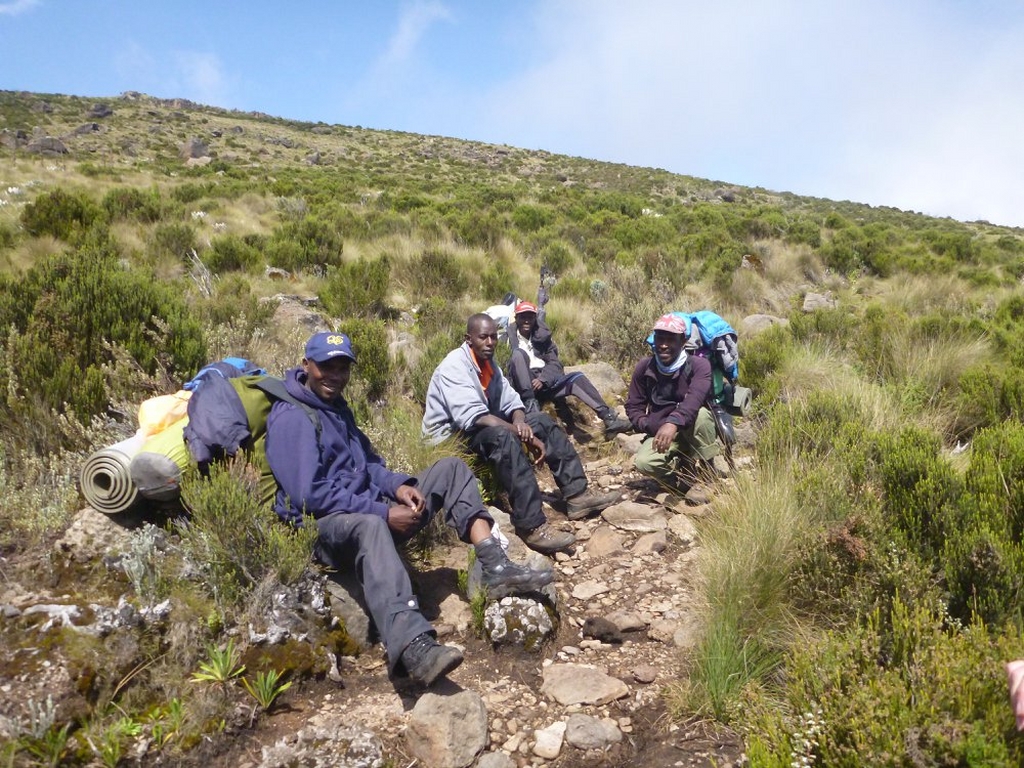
(577, 384)
(366, 542)
(504, 452)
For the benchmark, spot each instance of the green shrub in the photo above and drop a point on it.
(310, 243)
(69, 309)
(357, 289)
(8, 236)
(635, 305)
(530, 218)
(558, 257)
(176, 240)
(761, 356)
(496, 280)
(373, 366)
(235, 540)
(921, 490)
(60, 214)
(437, 272)
(132, 203)
(230, 253)
(903, 689)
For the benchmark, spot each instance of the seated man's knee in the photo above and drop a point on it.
(540, 423)
(644, 463)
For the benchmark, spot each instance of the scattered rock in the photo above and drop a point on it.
(576, 684)
(447, 731)
(549, 741)
(336, 743)
(586, 732)
(645, 673)
(495, 760)
(604, 541)
(651, 542)
(754, 324)
(588, 590)
(816, 301)
(683, 529)
(631, 516)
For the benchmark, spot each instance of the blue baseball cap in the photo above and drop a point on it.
(325, 345)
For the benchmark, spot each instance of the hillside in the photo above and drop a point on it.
(846, 596)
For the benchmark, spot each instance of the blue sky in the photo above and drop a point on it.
(917, 104)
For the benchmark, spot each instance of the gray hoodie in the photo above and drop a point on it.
(455, 398)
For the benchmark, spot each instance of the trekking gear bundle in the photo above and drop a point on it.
(223, 409)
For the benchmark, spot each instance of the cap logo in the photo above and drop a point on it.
(335, 339)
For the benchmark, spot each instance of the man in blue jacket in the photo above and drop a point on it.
(330, 471)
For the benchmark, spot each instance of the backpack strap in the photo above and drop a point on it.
(274, 387)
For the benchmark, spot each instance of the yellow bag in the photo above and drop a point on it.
(158, 413)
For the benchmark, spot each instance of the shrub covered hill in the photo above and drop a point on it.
(857, 582)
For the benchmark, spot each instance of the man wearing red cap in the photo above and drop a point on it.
(328, 470)
(469, 397)
(537, 374)
(665, 402)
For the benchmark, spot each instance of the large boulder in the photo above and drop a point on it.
(47, 145)
(603, 376)
(194, 147)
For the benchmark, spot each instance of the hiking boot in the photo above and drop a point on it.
(545, 539)
(614, 424)
(501, 576)
(425, 659)
(530, 405)
(582, 505)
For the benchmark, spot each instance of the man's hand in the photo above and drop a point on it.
(404, 521)
(410, 496)
(522, 430)
(663, 439)
(536, 449)
(538, 385)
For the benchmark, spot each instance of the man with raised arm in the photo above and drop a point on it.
(326, 468)
(469, 396)
(536, 371)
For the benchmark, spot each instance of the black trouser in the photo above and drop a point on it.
(577, 384)
(514, 470)
(366, 542)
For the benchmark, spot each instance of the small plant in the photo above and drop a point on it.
(266, 688)
(167, 722)
(111, 741)
(222, 665)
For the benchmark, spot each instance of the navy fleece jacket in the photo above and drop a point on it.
(340, 472)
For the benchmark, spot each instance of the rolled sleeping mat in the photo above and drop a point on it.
(105, 480)
(741, 398)
(156, 469)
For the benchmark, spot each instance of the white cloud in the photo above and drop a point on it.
(17, 6)
(414, 21)
(911, 105)
(202, 77)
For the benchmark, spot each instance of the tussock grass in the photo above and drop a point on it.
(749, 550)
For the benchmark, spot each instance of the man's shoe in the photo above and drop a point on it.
(546, 540)
(501, 576)
(582, 505)
(530, 405)
(425, 659)
(614, 424)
